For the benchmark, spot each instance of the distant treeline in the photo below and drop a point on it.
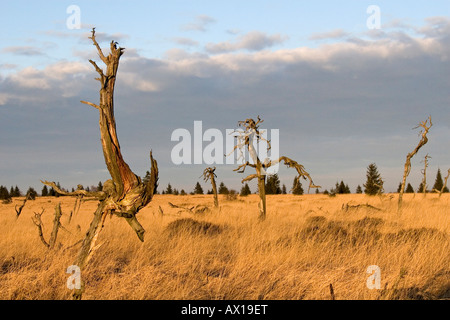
(273, 186)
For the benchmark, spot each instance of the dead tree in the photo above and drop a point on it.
(208, 174)
(125, 193)
(425, 125)
(77, 205)
(20, 208)
(444, 185)
(245, 140)
(56, 225)
(424, 173)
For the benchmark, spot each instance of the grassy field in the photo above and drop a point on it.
(307, 243)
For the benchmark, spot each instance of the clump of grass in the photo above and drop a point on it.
(189, 226)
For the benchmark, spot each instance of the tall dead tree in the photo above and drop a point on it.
(245, 140)
(425, 125)
(125, 193)
(445, 184)
(208, 174)
(424, 173)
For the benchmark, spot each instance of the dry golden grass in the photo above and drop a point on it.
(306, 243)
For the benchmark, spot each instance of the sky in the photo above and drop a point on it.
(341, 94)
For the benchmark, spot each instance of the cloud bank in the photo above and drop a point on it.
(339, 107)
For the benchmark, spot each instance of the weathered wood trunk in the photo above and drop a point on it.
(262, 196)
(208, 174)
(125, 194)
(426, 127)
(216, 197)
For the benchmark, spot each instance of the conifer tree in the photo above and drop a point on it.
(409, 188)
(297, 188)
(223, 189)
(169, 189)
(44, 192)
(359, 189)
(273, 185)
(245, 190)
(198, 189)
(438, 183)
(374, 182)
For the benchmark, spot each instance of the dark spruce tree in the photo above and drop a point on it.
(297, 188)
(169, 189)
(31, 194)
(409, 188)
(4, 194)
(44, 192)
(245, 190)
(273, 185)
(374, 182)
(198, 189)
(359, 189)
(439, 183)
(223, 189)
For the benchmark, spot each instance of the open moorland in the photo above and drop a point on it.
(306, 243)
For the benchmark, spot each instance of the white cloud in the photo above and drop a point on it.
(200, 24)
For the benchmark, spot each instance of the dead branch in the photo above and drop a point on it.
(56, 225)
(347, 207)
(300, 170)
(78, 192)
(19, 210)
(191, 210)
(425, 125)
(76, 206)
(38, 222)
(161, 212)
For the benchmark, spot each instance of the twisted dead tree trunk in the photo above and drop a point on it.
(425, 125)
(245, 142)
(125, 193)
(208, 174)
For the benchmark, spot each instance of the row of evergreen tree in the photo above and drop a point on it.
(372, 186)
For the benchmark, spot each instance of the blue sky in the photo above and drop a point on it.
(310, 68)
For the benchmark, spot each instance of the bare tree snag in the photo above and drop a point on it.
(56, 225)
(76, 207)
(19, 210)
(425, 125)
(208, 174)
(38, 222)
(245, 142)
(125, 193)
(424, 173)
(444, 185)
